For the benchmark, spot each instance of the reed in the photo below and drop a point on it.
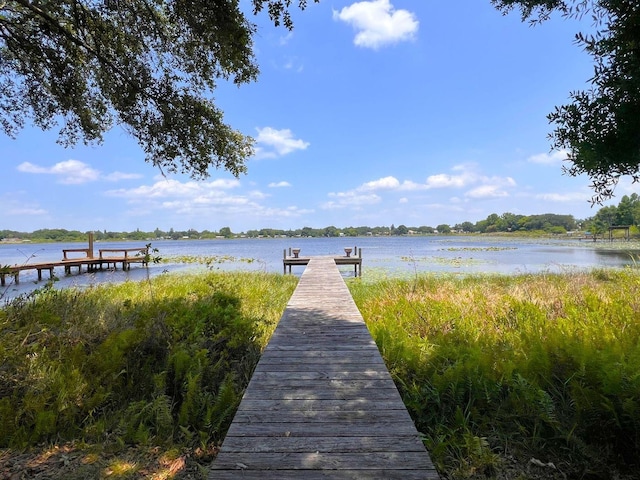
(499, 370)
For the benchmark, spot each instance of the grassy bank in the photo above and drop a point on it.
(533, 376)
(155, 366)
(516, 377)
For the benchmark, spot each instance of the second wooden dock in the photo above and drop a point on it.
(321, 403)
(107, 256)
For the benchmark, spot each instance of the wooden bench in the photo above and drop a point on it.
(140, 255)
(88, 253)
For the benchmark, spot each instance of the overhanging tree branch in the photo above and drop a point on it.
(148, 66)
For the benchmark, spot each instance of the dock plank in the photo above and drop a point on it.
(364, 444)
(329, 460)
(321, 403)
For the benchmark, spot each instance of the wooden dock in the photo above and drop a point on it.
(107, 256)
(294, 258)
(321, 403)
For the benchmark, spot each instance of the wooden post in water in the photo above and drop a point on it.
(90, 252)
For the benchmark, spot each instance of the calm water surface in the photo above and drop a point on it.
(382, 256)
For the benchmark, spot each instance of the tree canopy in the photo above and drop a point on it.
(146, 65)
(600, 128)
(150, 66)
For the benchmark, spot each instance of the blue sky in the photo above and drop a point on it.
(371, 113)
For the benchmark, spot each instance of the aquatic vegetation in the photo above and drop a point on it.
(478, 249)
(449, 261)
(207, 260)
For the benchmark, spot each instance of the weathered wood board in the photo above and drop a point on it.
(321, 403)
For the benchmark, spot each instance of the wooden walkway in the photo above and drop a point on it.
(124, 256)
(321, 403)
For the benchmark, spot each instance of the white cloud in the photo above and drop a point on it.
(554, 158)
(491, 187)
(171, 188)
(331, 205)
(294, 212)
(350, 199)
(563, 197)
(467, 176)
(294, 65)
(197, 200)
(117, 176)
(389, 183)
(464, 176)
(285, 39)
(486, 191)
(274, 143)
(501, 181)
(29, 167)
(444, 180)
(75, 172)
(258, 195)
(386, 183)
(378, 23)
(223, 183)
(20, 211)
(353, 198)
(70, 172)
(409, 185)
(279, 184)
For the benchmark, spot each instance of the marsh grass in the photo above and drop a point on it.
(543, 366)
(492, 368)
(138, 363)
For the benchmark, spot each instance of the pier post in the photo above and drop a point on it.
(90, 252)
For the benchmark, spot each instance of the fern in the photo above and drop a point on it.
(220, 412)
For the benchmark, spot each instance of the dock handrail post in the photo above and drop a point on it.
(90, 251)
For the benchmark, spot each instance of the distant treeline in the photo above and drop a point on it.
(627, 212)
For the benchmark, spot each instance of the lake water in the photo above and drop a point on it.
(382, 256)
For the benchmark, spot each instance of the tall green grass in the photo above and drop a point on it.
(497, 369)
(136, 363)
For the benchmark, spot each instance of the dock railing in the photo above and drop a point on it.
(294, 258)
(140, 255)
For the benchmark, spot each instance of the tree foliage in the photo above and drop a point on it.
(600, 128)
(146, 65)
(510, 222)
